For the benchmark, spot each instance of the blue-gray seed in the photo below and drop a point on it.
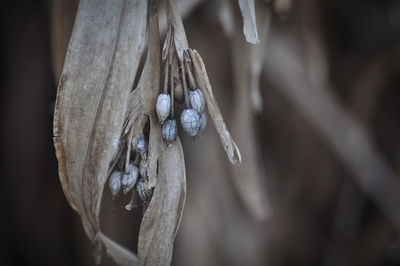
(142, 190)
(143, 168)
(196, 100)
(129, 180)
(169, 130)
(163, 106)
(141, 144)
(190, 122)
(115, 183)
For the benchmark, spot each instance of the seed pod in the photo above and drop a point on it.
(196, 100)
(203, 122)
(178, 93)
(129, 180)
(163, 106)
(190, 122)
(141, 144)
(115, 183)
(142, 190)
(169, 130)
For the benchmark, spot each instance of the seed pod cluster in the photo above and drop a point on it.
(134, 178)
(193, 118)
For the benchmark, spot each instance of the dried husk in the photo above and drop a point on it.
(175, 31)
(100, 66)
(161, 220)
(203, 82)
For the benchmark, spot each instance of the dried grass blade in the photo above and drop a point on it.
(100, 66)
(202, 80)
(161, 220)
(179, 35)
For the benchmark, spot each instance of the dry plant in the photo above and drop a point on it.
(105, 128)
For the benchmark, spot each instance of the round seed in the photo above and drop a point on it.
(115, 183)
(141, 144)
(169, 130)
(163, 106)
(196, 100)
(129, 180)
(190, 122)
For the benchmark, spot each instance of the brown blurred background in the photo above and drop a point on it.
(321, 215)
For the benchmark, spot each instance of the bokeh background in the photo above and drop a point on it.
(327, 139)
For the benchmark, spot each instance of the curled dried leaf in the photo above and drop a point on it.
(92, 99)
(161, 220)
(203, 82)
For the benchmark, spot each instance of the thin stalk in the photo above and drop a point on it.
(128, 152)
(190, 75)
(165, 90)
(185, 89)
(171, 83)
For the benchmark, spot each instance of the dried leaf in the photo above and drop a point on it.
(249, 20)
(155, 142)
(176, 25)
(202, 80)
(161, 220)
(92, 100)
(143, 98)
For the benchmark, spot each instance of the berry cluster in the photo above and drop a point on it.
(135, 177)
(193, 118)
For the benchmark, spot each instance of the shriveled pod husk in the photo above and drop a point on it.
(115, 183)
(203, 122)
(129, 180)
(141, 144)
(190, 121)
(196, 100)
(143, 168)
(163, 106)
(142, 190)
(169, 130)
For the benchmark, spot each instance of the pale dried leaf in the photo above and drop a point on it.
(175, 21)
(202, 80)
(155, 142)
(249, 21)
(100, 67)
(161, 220)
(167, 42)
(120, 255)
